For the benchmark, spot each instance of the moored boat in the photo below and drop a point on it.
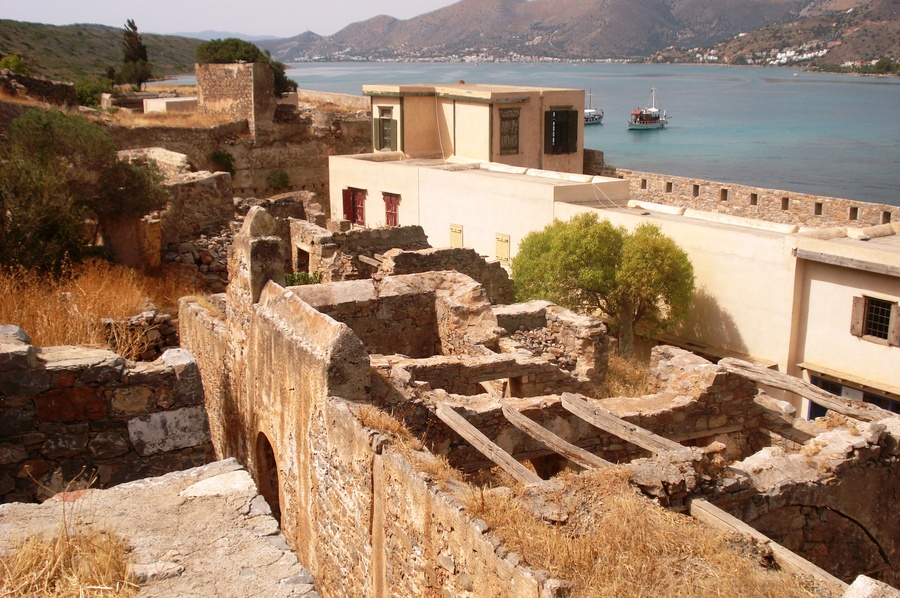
(643, 119)
(592, 116)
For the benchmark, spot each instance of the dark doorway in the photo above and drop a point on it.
(267, 470)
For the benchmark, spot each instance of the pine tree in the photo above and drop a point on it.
(136, 68)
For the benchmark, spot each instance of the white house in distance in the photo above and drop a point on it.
(821, 304)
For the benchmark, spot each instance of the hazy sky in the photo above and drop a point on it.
(281, 18)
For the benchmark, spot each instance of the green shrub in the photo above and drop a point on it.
(15, 64)
(88, 90)
(278, 179)
(296, 279)
(223, 160)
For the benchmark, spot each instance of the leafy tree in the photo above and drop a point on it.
(232, 49)
(136, 68)
(15, 64)
(56, 170)
(640, 278)
(89, 89)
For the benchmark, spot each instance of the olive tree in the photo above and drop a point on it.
(639, 278)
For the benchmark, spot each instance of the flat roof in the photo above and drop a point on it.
(475, 91)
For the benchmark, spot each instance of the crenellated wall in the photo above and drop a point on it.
(771, 205)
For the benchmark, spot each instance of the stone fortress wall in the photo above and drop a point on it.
(70, 413)
(771, 205)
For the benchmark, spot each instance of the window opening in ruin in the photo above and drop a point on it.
(267, 473)
(643, 183)
(885, 217)
(817, 209)
(723, 195)
(385, 130)
(456, 235)
(509, 131)
(854, 214)
(391, 208)
(754, 199)
(669, 187)
(301, 260)
(785, 203)
(560, 131)
(696, 191)
(355, 205)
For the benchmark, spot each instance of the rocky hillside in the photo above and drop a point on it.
(571, 29)
(73, 51)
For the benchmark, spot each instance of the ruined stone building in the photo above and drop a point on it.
(295, 379)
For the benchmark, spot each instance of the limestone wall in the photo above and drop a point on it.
(198, 202)
(38, 88)
(69, 412)
(772, 205)
(490, 273)
(341, 100)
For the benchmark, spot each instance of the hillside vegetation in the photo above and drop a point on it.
(73, 51)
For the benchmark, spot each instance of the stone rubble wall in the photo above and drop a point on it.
(198, 202)
(773, 205)
(288, 376)
(38, 88)
(70, 413)
(234, 90)
(577, 343)
(489, 273)
(157, 331)
(341, 100)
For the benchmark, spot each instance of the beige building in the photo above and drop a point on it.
(815, 304)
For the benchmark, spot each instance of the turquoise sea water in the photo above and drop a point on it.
(779, 128)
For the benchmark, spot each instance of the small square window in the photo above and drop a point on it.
(785, 203)
(754, 199)
(696, 191)
(817, 208)
(876, 319)
(885, 217)
(723, 195)
(643, 183)
(669, 187)
(854, 214)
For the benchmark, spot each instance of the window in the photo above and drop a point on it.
(817, 208)
(723, 194)
(391, 205)
(643, 183)
(669, 187)
(885, 217)
(876, 319)
(854, 214)
(355, 205)
(785, 203)
(456, 235)
(509, 131)
(695, 191)
(385, 135)
(561, 131)
(754, 199)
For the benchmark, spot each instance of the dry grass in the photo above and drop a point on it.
(627, 377)
(68, 310)
(186, 120)
(618, 543)
(86, 564)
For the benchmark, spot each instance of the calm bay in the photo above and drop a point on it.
(826, 134)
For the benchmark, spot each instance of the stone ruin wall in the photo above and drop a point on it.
(238, 91)
(772, 205)
(69, 413)
(361, 517)
(38, 88)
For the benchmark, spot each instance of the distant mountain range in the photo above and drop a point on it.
(597, 29)
(813, 32)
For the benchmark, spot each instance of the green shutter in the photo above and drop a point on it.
(393, 135)
(548, 132)
(572, 138)
(376, 133)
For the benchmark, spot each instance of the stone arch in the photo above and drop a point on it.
(267, 474)
(828, 538)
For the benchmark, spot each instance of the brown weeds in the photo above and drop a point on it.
(627, 377)
(185, 120)
(618, 543)
(68, 310)
(83, 564)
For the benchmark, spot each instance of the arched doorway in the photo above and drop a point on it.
(267, 472)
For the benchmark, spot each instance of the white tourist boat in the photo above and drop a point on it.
(592, 116)
(643, 119)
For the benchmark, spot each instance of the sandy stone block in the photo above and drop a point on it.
(168, 430)
(133, 400)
